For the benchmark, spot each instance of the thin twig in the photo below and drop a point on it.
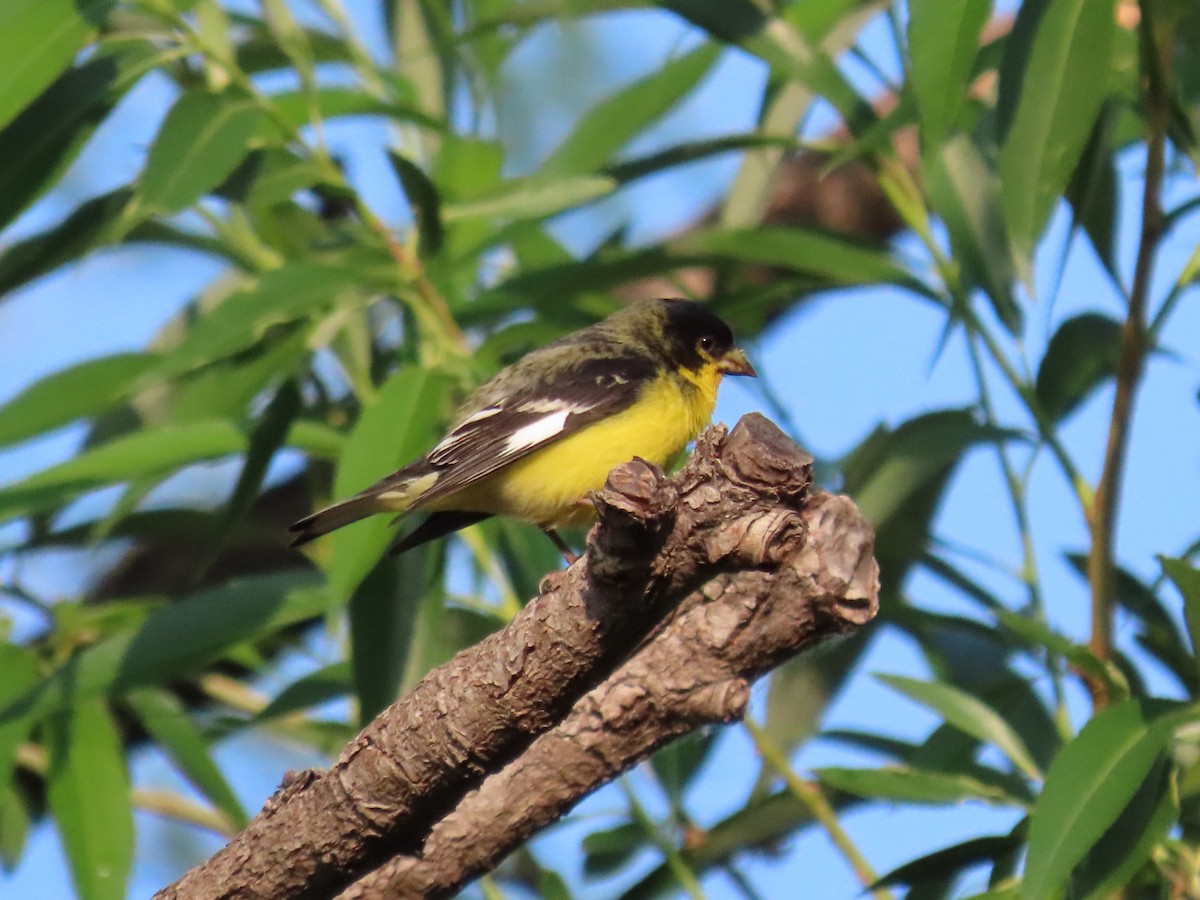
(1102, 512)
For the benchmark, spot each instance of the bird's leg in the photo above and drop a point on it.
(568, 554)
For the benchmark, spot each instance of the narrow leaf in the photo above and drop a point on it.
(423, 198)
(534, 197)
(178, 640)
(398, 426)
(201, 141)
(943, 39)
(966, 195)
(45, 137)
(840, 260)
(170, 726)
(910, 785)
(88, 791)
(622, 115)
(1061, 87)
(80, 232)
(970, 715)
(949, 861)
(1090, 781)
(38, 39)
(1187, 580)
(82, 390)
(330, 682)
(140, 454)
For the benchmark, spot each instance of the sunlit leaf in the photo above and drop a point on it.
(1091, 780)
(910, 785)
(139, 454)
(201, 141)
(38, 39)
(968, 714)
(88, 790)
(531, 198)
(1128, 843)
(400, 424)
(967, 196)
(72, 393)
(1053, 82)
(943, 39)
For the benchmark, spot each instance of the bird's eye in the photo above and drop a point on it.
(707, 342)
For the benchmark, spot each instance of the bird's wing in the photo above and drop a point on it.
(523, 421)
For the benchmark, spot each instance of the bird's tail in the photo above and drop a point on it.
(333, 517)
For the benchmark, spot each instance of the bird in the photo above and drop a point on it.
(536, 439)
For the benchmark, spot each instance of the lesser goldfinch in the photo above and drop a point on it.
(542, 434)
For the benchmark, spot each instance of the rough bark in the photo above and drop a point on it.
(692, 587)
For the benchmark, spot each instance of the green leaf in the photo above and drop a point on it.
(609, 125)
(966, 195)
(201, 141)
(970, 715)
(38, 39)
(882, 477)
(1092, 191)
(534, 197)
(840, 260)
(296, 107)
(679, 762)
(949, 861)
(692, 151)
(400, 424)
(78, 391)
(911, 785)
(178, 640)
(1052, 102)
(14, 826)
(943, 39)
(327, 683)
(80, 232)
(40, 143)
(266, 439)
(383, 617)
(423, 198)
(1080, 657)
(140, 454)
(88, 791)
(1138, 829)
(269, 176)
(1082, 355)
(281, 296)
(171, 727)
(1091, 781)
(609, 850)
(1187, 580)
(21, 673)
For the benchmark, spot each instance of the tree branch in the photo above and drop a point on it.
(742, 565)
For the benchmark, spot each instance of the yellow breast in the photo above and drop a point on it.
(547, 486)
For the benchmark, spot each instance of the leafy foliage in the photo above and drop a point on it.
(350, 311)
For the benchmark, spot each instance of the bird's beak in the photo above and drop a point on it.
(735, 363)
